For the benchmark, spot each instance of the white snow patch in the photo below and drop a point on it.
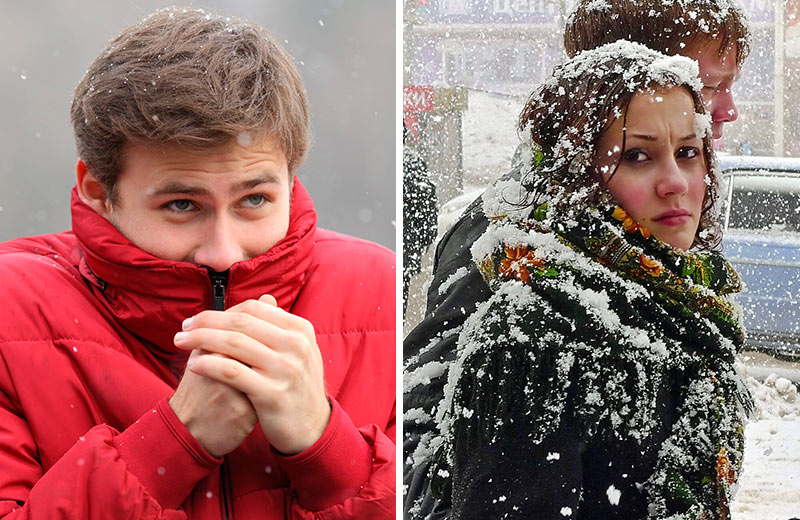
(614, 495)
(460, 273)
(702, 124)
(424, 374)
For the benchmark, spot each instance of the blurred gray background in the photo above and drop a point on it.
(344, 49)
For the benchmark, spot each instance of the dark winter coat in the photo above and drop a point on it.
(419, 214)
(505, 452)
(434, 340)
(87, 364)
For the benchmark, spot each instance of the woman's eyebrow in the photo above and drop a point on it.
(653, 138)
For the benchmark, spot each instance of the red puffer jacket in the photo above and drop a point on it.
(87, 364)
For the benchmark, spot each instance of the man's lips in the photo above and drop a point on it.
(673, 217)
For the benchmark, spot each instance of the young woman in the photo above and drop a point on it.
(597, 379)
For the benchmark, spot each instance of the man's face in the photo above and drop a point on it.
(717, 74)
(209, 209)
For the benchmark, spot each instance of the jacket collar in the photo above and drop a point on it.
(151, 297)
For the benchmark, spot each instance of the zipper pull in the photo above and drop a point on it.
(219, 282)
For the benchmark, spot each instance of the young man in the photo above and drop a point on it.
(195, 347)
(712, 31)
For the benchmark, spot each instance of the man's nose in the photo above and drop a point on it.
(723, 108)
(219, 249)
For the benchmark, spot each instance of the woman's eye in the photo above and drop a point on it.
(180, 206)
(688, 152)
(254, 201)
(635, 155)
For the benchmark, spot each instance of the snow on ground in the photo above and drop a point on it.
(770, 485)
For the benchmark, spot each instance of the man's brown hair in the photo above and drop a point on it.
(668, 26)
(191, 78)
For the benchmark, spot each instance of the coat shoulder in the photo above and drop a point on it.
(333, 246)
(41, 280)
(354, 276)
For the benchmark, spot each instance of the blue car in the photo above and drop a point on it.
(761, 219)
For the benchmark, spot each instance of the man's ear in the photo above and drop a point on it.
(91, 191)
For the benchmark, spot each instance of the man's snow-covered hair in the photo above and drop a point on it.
(564, 118)
(192, 78)
(668, 26)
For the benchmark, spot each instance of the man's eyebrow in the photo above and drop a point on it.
(179, 188)
(249, 184)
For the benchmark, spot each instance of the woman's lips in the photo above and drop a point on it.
(673, 218)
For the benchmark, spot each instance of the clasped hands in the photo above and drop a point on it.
(253, 363)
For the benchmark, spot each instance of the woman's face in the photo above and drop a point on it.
(660, 180)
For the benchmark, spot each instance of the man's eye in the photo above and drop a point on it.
(180, 206)
(688, 152)
(254, 201)
(635, 155)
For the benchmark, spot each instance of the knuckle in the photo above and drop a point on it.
(305, 327)
(292, 370)
(202, 319)
(284, 385)
(238, 342)
(240, 409)
(239, 320)
(250, 306)
(298, 343)
(230, 370)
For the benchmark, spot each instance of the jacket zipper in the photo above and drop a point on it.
(219, 285)
(223, 483)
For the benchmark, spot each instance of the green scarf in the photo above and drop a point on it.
(589, 304)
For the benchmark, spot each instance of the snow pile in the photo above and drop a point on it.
(776, 398)
(770, 484)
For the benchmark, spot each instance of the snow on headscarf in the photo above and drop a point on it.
(564, 118)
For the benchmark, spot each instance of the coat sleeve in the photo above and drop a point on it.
(513, 477)
(456, 289)
(501, 454)
(348, 473)
(106, 474)
(508, 476)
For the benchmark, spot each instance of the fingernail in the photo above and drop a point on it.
(180, 337)
(187, 323)
(190, 362)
